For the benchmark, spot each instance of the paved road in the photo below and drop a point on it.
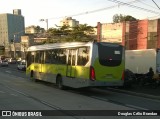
(18, 93)
(16, 89)
(145, 91)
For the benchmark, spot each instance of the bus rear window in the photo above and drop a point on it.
(110, 54)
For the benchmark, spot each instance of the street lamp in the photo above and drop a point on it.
(46, 20)
(14, 46)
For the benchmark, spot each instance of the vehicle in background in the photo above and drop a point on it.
(12, 61)
(22, 65)
(139, 61)
(19, 60)
(4, 63)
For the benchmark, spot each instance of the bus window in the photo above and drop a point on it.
(48, 56)
(55, 56)
(83, 56)
(110, 55)
(41, 55)
(73, 58)
(69, 57)
(62, 56)
(37, 57)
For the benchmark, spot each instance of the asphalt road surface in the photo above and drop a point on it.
(19, 93)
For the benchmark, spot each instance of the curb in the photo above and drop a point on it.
(135, 93)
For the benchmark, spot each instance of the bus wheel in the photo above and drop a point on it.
(59, 82)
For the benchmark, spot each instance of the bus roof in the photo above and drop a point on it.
(58, 45)
(66, 45)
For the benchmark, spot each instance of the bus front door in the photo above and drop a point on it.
(71, 63)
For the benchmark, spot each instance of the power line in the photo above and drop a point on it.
(106, 8)
(156, 4)
(148, 5)
(97, 10)
(133, 6)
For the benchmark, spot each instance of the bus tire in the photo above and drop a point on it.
(59, 82)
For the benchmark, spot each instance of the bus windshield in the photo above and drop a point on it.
(110, 54)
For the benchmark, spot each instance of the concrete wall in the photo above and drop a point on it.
(158, 33)
(141, 34)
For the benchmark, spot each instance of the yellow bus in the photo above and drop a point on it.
(77, 64)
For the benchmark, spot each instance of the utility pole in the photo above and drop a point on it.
(46, 20)
(14, 46)
(47, 23)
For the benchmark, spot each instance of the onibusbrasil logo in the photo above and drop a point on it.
(21, 113)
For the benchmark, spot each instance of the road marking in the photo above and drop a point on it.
(2, 92)
(133, 106)
(8, 71)
(13, 94)
(99, 98)
(136, 94)
(111, 101)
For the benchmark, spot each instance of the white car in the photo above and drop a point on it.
(4, 63)
(19, 60)
(21, 66)
(12, 61)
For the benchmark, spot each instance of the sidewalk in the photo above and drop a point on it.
(144, 91)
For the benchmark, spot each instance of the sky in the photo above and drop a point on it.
(85, 11)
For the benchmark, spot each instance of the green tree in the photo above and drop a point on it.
(120, 18)
(81, 32)
(65, 33)
(37, 28)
